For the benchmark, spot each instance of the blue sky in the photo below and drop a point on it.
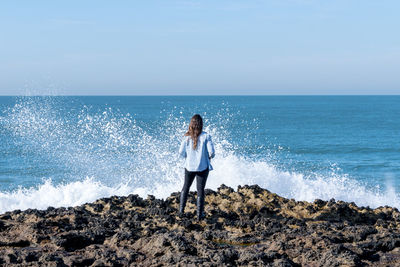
(199, 47)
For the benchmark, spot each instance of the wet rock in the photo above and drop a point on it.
(18, 243)
(2, 226)
(247, 227)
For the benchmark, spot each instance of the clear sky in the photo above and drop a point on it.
(200, 47)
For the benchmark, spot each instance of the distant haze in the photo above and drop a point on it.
(199, 47)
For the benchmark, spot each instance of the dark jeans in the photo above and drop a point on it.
(201, 179)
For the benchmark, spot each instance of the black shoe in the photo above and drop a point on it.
(201, 217)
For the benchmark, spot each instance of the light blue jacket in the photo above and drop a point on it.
(199, 159)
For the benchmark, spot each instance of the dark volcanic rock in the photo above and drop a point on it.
(247, 227)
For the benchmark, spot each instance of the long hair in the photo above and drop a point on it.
(195, 129)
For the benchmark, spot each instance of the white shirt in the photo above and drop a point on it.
(199, 159)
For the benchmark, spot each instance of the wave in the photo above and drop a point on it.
(231, 170)
(104, 152)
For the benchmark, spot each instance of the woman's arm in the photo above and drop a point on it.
(210, 147)
(182, 148)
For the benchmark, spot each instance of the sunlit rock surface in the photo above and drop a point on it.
(247, 227)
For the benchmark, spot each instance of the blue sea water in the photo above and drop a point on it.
(65, 151)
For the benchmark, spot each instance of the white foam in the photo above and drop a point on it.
(123, 158)
(230, 170)
(47, 194)
(234, 171)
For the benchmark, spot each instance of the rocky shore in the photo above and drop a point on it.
(247, 227)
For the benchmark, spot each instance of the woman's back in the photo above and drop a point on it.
(197, 149)
(197, 159)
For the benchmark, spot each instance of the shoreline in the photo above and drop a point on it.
(247, 226)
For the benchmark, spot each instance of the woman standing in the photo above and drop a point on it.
(197, 149)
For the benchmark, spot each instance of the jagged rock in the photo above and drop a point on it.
(247, 227)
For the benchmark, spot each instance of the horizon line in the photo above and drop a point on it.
(156, 95)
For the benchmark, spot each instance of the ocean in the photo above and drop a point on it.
(69, 150)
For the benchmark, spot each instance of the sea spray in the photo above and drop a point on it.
(122, 153)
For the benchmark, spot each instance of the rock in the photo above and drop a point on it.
(247, 227)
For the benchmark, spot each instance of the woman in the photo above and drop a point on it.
(197, 149)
